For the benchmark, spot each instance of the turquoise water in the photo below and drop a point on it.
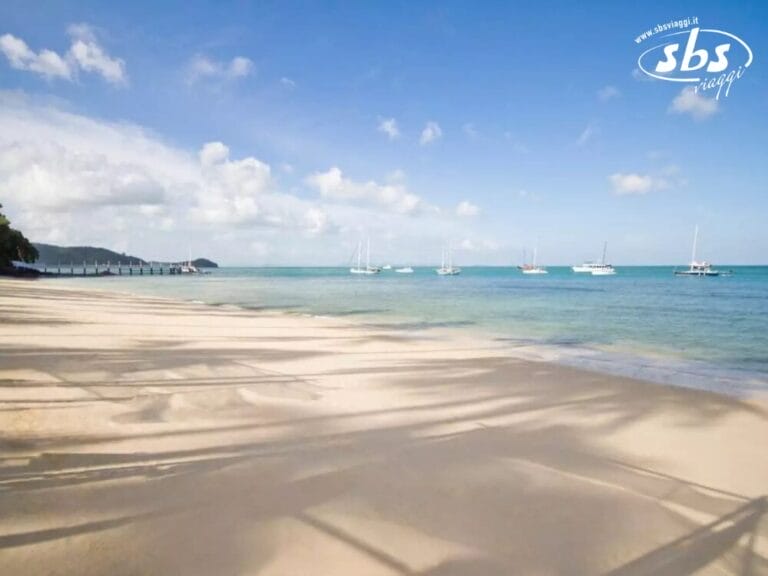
(703, 332)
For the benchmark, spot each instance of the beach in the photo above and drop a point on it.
(146, 435)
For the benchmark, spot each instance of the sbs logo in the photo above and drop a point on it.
(711, 58)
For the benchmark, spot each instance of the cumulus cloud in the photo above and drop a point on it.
(389, 127)
(393, 196)
(213, 153)
(288, 83)
(89, 56)
(81, 173)
(608, 93)
(70, 179)
(85, 54)
(202, 67)
(431, 133)
(45, 62)
(638, 184)
(466, 209)
(688, 101)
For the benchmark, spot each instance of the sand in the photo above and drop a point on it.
(147, 436)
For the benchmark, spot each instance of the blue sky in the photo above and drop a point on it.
(508, 124)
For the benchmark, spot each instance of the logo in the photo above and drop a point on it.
(710, 59)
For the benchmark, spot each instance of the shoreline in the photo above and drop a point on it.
(649, 366)
(151, 435)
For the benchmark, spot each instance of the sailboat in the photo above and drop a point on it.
(404, 270)
(603, 269)
(533, 268)
(368, 268)
(448, 270)
(697, 268)
(188, 267)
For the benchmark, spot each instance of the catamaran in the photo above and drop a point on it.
(532, 268)
(697, 268)
(448, 270)
(187, 267)
(368, 269)
(603, 269)
(596, 268)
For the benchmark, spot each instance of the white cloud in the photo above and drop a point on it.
(638, 184)
(389, 127)
(431, 133)
(287, 82)
(213, 153)
(85, 54)
(82, 174)
(46, 62)
(688, 101)
(240, 66)
(466, 209)
(91, 57)
(586, 135)
(393, 196)
(608, 93)
(202, 67)
(70, 179)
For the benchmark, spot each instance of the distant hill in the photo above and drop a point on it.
(204, 263)
(53, 255)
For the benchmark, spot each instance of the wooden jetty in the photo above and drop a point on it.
(101, 269)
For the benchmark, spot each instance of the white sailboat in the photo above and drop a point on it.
(449, 270)
(603, 269)
(533, 268)
(404, 270)
(697, 268)
(590, 266)
(368, 269)
(187, 267)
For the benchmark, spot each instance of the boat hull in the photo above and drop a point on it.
(697, 273)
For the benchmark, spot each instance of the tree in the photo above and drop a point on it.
(13, 244)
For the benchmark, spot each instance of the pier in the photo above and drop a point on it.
(101, 269)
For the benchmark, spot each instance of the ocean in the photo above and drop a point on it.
(707, 333)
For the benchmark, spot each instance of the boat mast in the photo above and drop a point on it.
(695, 240)
(359, 253)
(442, 259)
(368, 254)
(605, 248)
(450, 258)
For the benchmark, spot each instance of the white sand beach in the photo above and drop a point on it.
(148, 436)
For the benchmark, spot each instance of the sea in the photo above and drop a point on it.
(644, 322)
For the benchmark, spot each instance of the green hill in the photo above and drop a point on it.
(53, 255)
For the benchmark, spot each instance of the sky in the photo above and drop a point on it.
(283, 133)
